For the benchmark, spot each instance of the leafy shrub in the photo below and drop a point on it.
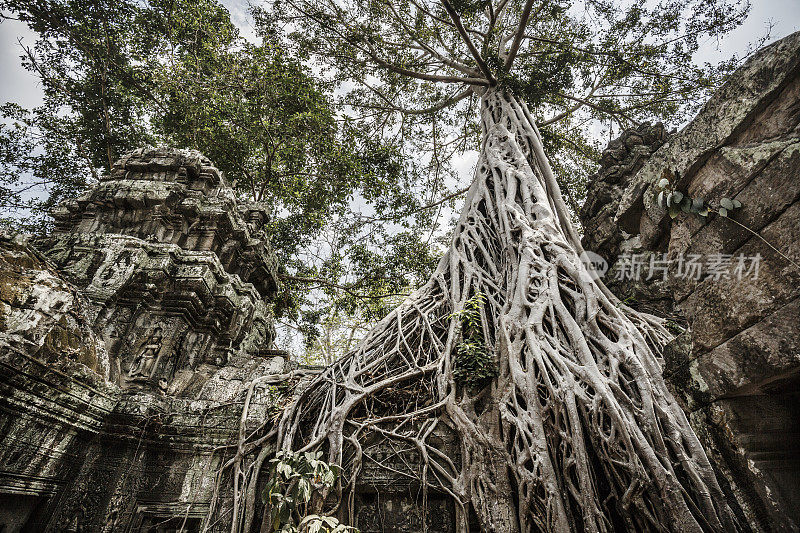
(472, 364)
(295, 478)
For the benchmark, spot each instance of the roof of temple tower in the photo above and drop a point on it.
(178, 197)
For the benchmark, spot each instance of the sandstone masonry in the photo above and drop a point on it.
(736, 368)
(131, 334)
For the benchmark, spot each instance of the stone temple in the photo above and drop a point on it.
(131, 335)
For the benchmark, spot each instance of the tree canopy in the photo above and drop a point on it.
(345, 117)
(413, 66)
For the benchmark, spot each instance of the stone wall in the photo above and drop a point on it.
(130, 335)
(737, 367)
(389, 496)
(611, 238)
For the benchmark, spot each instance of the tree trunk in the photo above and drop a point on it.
(577, 432)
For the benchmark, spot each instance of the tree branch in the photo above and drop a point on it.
(426, 111)
(579, 104)
(418, 209)
(449, 62)
(347, 289)
(596, 107)
(386, 64)
(465, 36)
(523, 22)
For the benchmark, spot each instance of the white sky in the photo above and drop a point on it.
(19, 85)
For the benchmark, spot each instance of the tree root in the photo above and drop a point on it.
(577, 433)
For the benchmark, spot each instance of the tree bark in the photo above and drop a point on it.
(577, 432)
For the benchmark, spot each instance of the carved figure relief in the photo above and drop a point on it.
(123, 263)
(145, 358)
(114, 273)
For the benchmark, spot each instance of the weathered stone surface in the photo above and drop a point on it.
(609, 237)
(38, 311)
(390, 499)
(128, 339)
(178, 272)
(738, 362)
(176, 197)
(752, 362)
(730, 111)
(619, 164)
(755, 439)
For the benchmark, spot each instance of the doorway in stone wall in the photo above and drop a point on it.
(403, 512)
(16, 511)
(157, 519)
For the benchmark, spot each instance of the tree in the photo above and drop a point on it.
(581, 66)
(117, 75)
(573, 427)
(86, 61)
(37, 153)
(268, 125)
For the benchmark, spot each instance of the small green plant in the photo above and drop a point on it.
(296, 478)
(673, 327)
(630, 300)
(472, 364)
(675, 202)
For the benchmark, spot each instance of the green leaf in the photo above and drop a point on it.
(660, 199)
(663, 183)
(673, 211)
(737, 204)
(723, 212)
(285, 470)
(727, 204)
(312, 522)
(303, 490)
(677, 196)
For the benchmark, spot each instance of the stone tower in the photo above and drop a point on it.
(131, 335)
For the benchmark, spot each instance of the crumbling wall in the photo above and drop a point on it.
(611, 238)
(736, 368)
(129, 337)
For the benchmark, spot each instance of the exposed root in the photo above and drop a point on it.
(256, 445)
(577, 433)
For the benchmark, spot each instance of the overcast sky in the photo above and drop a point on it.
(18, 85)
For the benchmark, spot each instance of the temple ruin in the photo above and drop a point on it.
(131, 334)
